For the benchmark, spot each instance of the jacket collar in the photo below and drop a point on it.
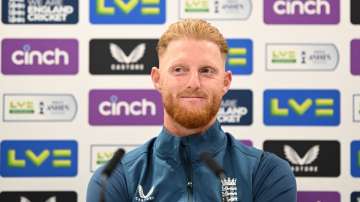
(169, 145)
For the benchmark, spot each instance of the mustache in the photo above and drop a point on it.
(187, 93)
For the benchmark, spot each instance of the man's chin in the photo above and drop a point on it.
(191, 120)
(192, 125)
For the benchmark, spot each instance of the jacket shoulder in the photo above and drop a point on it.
(262, 161)
(246, 151)
(138, 153)
(272, 177)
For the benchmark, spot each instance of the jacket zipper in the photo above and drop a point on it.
(188, 171)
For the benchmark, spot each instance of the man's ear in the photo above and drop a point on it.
(227, 81)
(155, 77)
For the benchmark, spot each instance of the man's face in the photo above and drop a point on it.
(192, 81)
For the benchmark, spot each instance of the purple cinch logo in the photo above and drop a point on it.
(39, 56)
(301, 11)
(125, 107)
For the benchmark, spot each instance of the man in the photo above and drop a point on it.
(192, 80)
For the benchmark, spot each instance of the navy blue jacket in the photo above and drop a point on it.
(168, 169)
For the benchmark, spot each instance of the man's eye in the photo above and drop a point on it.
(207, 70)
(178, 69)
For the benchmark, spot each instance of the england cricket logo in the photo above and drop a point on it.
(229, 189)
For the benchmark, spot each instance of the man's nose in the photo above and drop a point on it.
(194, 80)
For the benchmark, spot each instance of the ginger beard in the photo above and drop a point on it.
(188, 117)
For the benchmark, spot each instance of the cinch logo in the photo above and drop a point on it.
(310, 57)
(100, 154)
(39, 107)
(40, 56)
(355, 158)
(302, 107)
(236, 108)
(26, 56)
(308, 158)
(125, 107)
(355, 197)
(40, 12)
(355, 57)
(126, 56)
(127, 12)
(215, 9)
(301, 11)
(21, 158)
(38, 196)
(318, 196)
(240, 57)
(116, 107)
(286, 7)
(355, 16)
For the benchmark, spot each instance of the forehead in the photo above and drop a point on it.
(192, 50)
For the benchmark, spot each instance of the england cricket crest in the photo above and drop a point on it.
(228, 189)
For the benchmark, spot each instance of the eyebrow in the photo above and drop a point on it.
(178, 65)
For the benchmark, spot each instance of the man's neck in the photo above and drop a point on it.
(175, 128)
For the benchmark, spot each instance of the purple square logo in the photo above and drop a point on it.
(328, 196)
(355, 57)
(39, 56)
(302, 11)
(125, 107)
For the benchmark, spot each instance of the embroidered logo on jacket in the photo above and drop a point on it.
(142, 197)
(229, 189)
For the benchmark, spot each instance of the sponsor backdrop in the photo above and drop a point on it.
(75, 85)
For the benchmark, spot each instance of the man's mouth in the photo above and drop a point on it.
(193, 95)
(192, 98)
(199, 97)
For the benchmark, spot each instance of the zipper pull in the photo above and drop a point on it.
(189, 185)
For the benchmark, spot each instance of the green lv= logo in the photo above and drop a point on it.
(125, 7)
